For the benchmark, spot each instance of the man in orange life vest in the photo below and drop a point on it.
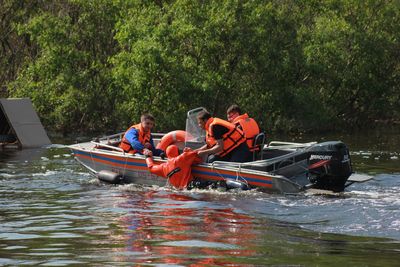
(247, 124)
(223, 140)
(138, 138)
(177, 168)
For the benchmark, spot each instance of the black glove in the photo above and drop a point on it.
(162, 155)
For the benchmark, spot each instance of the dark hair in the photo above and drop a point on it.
(234, 108)
(204, 115)
(146, 116)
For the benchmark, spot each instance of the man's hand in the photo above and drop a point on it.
(202, 153)
(148, 145)
(147, 152)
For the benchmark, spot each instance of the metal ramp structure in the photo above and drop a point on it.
(20, 126)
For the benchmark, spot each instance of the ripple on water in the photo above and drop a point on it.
(14, 247)
(58, 215)
(65, 235)
(58, 262)
(17, 236)
(200, 244)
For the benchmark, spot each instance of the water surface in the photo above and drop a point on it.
(54, 213)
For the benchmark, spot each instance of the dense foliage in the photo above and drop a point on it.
(96, 65)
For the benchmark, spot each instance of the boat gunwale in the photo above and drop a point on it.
(158, 159)
(263, 162)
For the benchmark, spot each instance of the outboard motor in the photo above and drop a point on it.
(329, 165)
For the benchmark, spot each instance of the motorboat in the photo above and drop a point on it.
(277, 167)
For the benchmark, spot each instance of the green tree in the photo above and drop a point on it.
(352, 54)
(15, 50)
(69, 80)
(293, 65)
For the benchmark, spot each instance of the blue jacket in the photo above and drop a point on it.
(132, 136)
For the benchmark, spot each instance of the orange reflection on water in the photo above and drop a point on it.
(163, 227)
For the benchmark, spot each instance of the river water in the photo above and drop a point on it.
(54, 213)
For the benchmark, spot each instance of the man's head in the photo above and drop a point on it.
(172, 151)
(202, 118)
(147, 121)
(232, 112)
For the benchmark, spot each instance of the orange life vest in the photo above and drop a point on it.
(231, 139)
(142, 136)
(249, 127)
(210, 141)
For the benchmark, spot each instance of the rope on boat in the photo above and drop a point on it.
(238, 174)
(91, 157)
(215, 170)
(113, 148)
(91, 170)
(126, 161)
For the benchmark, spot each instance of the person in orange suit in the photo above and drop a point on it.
(178, 168)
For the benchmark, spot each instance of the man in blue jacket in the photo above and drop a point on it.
(138, 138)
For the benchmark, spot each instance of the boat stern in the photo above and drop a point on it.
(329, 165)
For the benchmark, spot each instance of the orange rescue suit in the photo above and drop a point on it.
(231, 139)
(142, 136)
(178, 169)
(249, 127)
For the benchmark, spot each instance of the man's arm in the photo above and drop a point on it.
(132, 136)
(201, 148)
(156, 151)
(219, 146)
(191, 155)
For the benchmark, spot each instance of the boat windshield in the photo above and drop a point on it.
(195, 136)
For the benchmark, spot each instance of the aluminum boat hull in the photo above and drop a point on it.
(134, 170)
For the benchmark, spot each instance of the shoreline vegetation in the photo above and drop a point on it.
(93, 66)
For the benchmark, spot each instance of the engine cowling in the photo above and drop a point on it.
(329, 165)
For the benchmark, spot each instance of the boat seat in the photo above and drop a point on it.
(258, 145)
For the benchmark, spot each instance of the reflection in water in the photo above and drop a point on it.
(161, 227)
(178, 232)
